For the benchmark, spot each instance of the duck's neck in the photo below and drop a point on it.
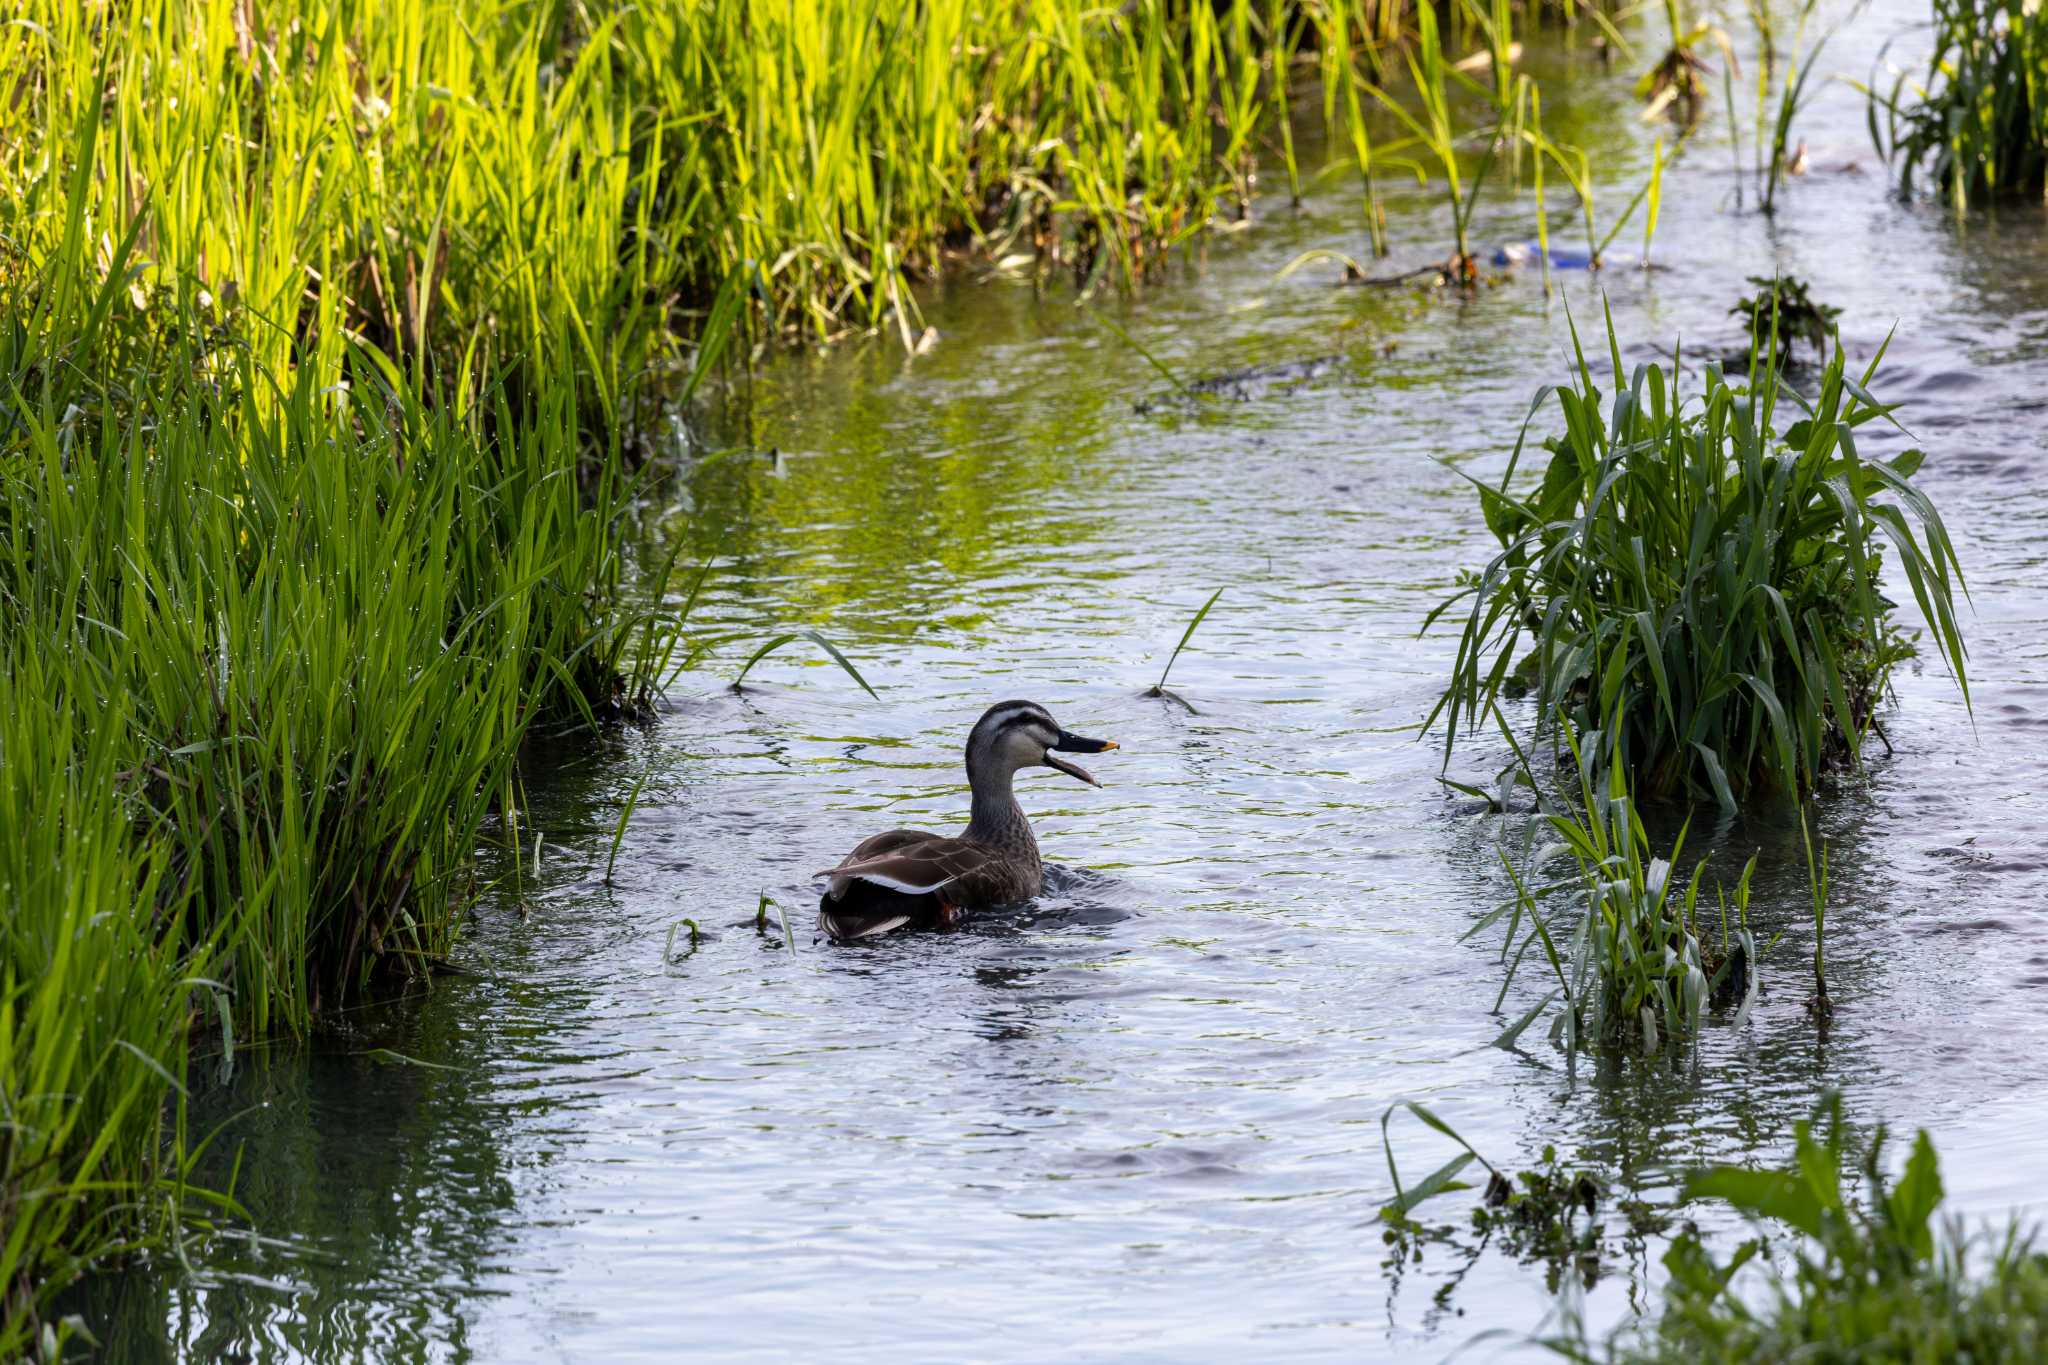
(998, 820)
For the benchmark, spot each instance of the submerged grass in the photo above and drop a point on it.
(1703, 578)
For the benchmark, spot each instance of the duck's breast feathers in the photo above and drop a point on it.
(906, 861)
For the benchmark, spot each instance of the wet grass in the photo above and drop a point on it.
(1694, 584)
(1975, 126)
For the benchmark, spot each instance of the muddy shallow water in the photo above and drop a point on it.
(1141, 1116)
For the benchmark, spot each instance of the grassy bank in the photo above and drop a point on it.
(310, 490)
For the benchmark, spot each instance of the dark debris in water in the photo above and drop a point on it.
(1241, 385)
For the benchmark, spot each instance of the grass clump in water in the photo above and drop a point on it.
(1635, 968)
(1977, 128)
(1705, 573)
(1783, 312)
(1872, 1279)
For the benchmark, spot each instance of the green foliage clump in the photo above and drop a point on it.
(1783, 311)
(1537, 1213)
(1705, 577)
(1872, 1279)
(1978, 127)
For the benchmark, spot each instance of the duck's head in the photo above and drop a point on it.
(1022, 734)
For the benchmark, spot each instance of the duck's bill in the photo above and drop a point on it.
(1075, 744)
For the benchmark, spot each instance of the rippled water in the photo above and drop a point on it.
(1141, 1116)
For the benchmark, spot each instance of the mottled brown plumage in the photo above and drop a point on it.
(911, 879)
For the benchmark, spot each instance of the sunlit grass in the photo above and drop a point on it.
(1708, 572)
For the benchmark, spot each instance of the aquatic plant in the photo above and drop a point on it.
(1577, 169)
(1159, 689)
(1977, 123)
(1793, 95)
(1703, 578)
(1872, 1277)
(1679, 77)
(96, 999)
(1434, 127)
(1783, 311)
(842, 150)
(1819, 1005)
(1548, 1213)
(769, 646)
(1633, 968)
(278, 606)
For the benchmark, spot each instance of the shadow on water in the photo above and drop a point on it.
(387, 1179)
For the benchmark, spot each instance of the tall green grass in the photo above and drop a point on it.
(95, 997)
(283, 646)
(284, 581)
(1435, 135)
(1707, 571)
(1976, 125)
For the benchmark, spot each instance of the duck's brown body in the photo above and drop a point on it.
(910, 879)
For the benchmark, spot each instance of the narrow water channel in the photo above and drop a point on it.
(1141, 1116)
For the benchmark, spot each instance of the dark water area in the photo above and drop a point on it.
(1141, 1117)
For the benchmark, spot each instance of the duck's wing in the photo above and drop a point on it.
(896, 879)
(908, 862)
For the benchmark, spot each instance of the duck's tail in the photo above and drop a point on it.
(865, 910)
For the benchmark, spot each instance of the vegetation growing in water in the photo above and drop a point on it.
(1873, 1278)
(1977, 127)
(1783, 311)
(1706, 575)
(1634, 967)
(308, 516)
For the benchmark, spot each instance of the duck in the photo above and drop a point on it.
(906, 878)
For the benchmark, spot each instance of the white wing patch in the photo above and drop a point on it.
(897, 883)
